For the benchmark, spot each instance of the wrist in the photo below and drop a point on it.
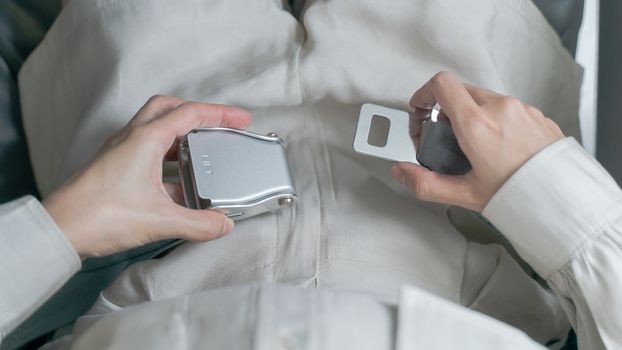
(59, 208)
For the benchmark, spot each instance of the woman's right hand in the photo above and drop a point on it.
(119, 200)
(497, 133)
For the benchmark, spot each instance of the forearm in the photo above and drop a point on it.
(36, 260)
(563, 214)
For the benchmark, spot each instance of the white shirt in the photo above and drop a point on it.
(352, 230)
(561, 210)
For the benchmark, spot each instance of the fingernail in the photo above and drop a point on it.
(397, 174)
(227, 226)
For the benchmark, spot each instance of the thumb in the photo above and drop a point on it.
(434, 187)
(197, 224)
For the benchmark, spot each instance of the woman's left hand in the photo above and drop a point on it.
(119, 200)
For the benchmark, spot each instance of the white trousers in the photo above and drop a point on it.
(354, 229)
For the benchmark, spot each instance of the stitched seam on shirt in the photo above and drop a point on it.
(253, 306)
(318, 245)
(413, 274)
(598, 230)
(516, 179)
(277, 256)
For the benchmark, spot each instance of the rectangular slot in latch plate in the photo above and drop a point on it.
(377, 124)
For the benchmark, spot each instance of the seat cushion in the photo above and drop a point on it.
(565, 17)
(22, 26)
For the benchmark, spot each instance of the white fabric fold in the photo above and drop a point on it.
(429, 322)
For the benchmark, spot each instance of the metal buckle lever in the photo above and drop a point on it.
(237, 172)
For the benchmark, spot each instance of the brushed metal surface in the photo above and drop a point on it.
(235, 171)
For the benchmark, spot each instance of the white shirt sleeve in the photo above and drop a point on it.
(563, 213)
(35, 260)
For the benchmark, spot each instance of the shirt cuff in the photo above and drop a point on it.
(36, 258)
(555, 203)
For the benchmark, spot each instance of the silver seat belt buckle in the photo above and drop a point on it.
(237, 172)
